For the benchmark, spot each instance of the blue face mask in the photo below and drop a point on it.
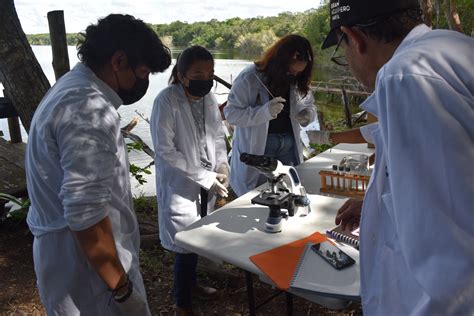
(199, 88)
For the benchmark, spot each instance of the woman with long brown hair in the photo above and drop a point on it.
(268, 103)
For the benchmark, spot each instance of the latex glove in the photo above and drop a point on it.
(318, 137)
(275, 106)
(303, 117)
(224, 169)
(218, 188)
(134, 305)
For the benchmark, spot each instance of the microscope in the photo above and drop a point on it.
(286, 191)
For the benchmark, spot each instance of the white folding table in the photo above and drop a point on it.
(235, 232)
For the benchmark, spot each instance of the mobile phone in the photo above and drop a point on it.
(333, 255)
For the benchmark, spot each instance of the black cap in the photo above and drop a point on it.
(352, 12)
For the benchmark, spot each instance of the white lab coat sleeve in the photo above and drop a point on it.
(307, 103)
(163, 135)
(241, 109)
(87, 143)
(367, 131)
(427, 131)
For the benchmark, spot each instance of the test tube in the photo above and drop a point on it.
(334, 168)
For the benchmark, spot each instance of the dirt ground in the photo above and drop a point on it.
(19, 296)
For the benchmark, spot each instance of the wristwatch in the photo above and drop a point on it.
(120, 298)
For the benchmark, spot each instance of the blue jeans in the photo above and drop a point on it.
(282, 147)
(184, 278)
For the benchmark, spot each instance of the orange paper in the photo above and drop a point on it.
(279, 264)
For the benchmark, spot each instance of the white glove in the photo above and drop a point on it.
(224, 169)
(303, 117)
(318, 137)
(275, 106)
(218, 188)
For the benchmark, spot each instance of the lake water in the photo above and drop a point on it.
(227, 69)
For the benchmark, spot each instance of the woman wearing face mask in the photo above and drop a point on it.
(191, 161)
(268, 103)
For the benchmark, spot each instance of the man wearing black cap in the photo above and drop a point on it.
(416, 247)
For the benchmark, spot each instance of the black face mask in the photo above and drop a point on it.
(135, 93)
(291, 79)
(200, 88)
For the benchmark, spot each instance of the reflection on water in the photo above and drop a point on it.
(225, 67)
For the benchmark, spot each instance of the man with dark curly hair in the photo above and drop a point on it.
(86, 233)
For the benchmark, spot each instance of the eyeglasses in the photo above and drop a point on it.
(341, 59)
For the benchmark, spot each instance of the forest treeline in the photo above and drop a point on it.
(252, 36)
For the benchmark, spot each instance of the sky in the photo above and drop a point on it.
(78, 14)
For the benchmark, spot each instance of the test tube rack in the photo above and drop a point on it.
(343, 183)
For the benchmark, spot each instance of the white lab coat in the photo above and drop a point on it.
(244, 110)
(179, 174)
(417, 232)
(77, 174)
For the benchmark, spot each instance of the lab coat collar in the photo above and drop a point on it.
(183, 100)
(412, 37)
(108, 92)
(370, 105)
(178, 92)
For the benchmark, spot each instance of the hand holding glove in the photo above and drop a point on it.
(224, 169)
(318, 137)
(303, 117)
(276, 105)
(218, 188)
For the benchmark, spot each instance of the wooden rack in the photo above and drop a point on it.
(341, 183)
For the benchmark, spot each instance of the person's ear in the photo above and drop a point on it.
(119, 60)
(181, 79)
(356, 39)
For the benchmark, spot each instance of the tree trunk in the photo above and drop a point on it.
(427, 6)
(20, 73)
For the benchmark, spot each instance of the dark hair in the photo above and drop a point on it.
(276, 60)
(393, 27)
(186, 59)
(122, 32)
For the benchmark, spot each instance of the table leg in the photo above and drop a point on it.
(3, 210)
(289, 304)
(250, 293)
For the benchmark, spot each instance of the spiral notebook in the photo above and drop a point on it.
(286, 257)
(313, 274)
(348, 237)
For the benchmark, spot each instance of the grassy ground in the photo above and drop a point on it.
(19, 295)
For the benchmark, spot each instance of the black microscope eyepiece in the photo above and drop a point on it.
(261, 162)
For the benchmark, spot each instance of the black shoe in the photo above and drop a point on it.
(179, 311)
